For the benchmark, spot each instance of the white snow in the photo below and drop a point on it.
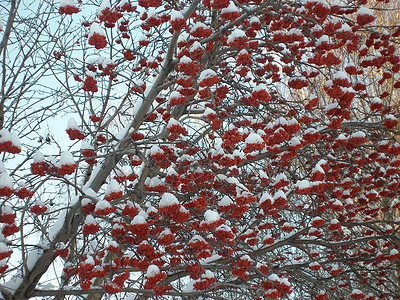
(197, 238)
(303, 184)
(208, 111)
(90, 193)
(5, 181)
(72, 124)
(104, 5)
(323, 39)
(4, 135)
(294, 141)
(331, 106)
(237, 33)
(32, 258)
(365, 11)
(95, 28)
(337, 203)
(85, 145)
(196, 46)
(171, 171)
(175, 95)
(173, 122)
(225, 201)
(102, 204)
(66, 158)
(3, 247)
(266, 196)
(6, 210)
(231, 8)
(206, 74)
(168, 199)
(254, 20)
(185, 60)
(358, 134)
(199, 25)
(138, 219)
(90, 220)
(112, 186)
(390, 117)
(152, 271)
(211, 216)
(356, 291)
(15, 140)
(64, 3)
(340, 75)
(279, 194)
(260, 87)
(254, 138)
(207, 274)
(280, 177)
(175, 14)
(273, 277)
(155, 181)
(57, 225)
(156, 149)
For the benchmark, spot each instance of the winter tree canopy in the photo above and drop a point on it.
(205, 149)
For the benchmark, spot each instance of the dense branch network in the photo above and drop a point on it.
(217, 149)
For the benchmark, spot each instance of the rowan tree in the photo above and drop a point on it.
(223, 149)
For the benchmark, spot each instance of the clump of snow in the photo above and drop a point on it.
(32, 258)
(86, 145)
(294, 141)
(72, 124)
(66, 158)
(112, 186)
(175, 14)
(152, 271)
(102, 205)
(208, 111)
(168, 199)
(358, 134)
(303, 184)
(225, 201)
(185, 60)
(340, 75)
(254, 138)
(279, 194)
(64, 3)
(208, 73)
(211, 216)
(260, 87)
(196, 46)
(173, 122)
(6, 210)
(237, 33)
(104, 5)
(253, 19)
(138, 219)
(231, 8)
(365, 11)
(5, 181)
(90, 220)
(323, 39)
(154, 181)
(2, 167)
(95, 28)
(199, 25)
